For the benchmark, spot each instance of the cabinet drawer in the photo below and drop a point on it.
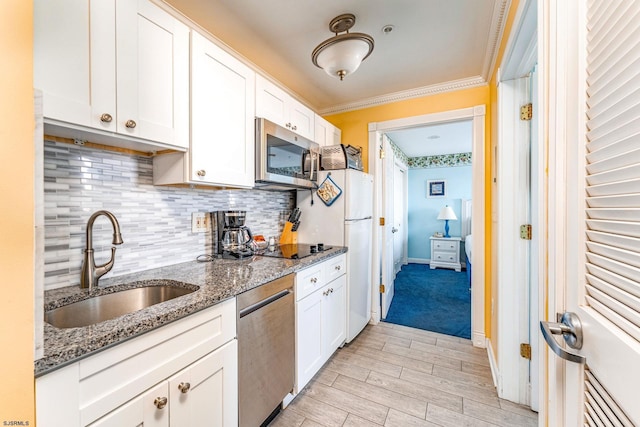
(444, 256)
(114, 376)
(335, 267)
(308, 280)
(444, 246)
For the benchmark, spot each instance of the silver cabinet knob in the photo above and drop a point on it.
(106, 118)
(201, 172)
(184, 387)
(288, 125)
(314, 280)
(326, 293)
(338, 267)
(160, 402)
(294, 127)
(130, 124)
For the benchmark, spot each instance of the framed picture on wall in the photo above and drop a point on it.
(436, 188)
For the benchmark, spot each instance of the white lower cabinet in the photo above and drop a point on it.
(199, 395)
(320, 320)
(182, 374)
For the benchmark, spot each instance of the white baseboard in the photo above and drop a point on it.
(495, 373)
(418, 260)
(479, 339)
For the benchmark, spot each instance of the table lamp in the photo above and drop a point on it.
(447, 214)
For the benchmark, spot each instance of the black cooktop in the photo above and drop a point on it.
(297, 251)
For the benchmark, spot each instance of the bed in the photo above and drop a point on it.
(466, 235)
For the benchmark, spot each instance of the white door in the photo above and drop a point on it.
(358, 240)
(387, 233)
(593, 83)
(398, 228)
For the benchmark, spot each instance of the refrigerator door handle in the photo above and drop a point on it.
(358, 219)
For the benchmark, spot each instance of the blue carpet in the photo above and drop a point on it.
(434, 300)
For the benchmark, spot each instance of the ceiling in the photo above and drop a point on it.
(436, 45)
(446, 138)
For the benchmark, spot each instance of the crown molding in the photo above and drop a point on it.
(419, 92)
(498, 21)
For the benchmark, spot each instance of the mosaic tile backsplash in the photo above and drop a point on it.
(155, 221)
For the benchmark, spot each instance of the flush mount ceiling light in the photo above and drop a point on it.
(342, 54)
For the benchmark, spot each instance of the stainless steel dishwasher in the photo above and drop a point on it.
(266, 335)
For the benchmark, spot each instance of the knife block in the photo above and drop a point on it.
(288, 237)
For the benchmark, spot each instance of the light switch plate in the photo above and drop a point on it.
(199, 222)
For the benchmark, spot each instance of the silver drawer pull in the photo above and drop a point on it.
(313, 280)
(338, 267)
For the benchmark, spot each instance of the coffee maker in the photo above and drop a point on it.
(233, 238)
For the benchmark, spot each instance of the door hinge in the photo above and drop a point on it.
(381, 288)
(526, 112)
(525, 232)
(381, 220)
(381, 153)
(525, 351)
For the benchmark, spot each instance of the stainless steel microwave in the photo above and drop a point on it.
(284, 159)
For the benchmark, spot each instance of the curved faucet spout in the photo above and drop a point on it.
(90, 272)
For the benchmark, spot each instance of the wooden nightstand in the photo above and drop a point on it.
(445, 253)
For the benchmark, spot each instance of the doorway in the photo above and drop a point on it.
(429, 167)
(382, 233)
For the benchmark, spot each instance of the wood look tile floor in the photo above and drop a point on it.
(393, 375)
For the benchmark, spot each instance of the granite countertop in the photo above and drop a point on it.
(217, 281)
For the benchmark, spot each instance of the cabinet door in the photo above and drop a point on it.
(334, 315)
(335, 137)
(301, 119)
(309, 327)
(222, 122)
(271, 102)
(206, 392)
(321, 130)
(150, 409)
(152, 50)
(66, 32)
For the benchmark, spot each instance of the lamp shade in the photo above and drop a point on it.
(343, 56)
(447, 213)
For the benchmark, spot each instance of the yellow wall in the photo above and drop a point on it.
(16, 212)
(354, 126)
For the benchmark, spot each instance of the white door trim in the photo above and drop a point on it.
(477, 114)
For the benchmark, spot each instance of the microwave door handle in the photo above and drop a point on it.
(312, 159)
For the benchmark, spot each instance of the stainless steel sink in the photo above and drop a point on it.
(109, 306)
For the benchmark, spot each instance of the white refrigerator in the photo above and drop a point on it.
(346, 222)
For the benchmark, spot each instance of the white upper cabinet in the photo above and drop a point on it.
(118, 68)
(222, 149)
(326, 133)
(222, 122)
(276, 105)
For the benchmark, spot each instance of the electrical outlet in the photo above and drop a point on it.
(199, 222)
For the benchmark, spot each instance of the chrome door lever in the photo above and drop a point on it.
(570, 328)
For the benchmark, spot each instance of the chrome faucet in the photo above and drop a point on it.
(90, 272)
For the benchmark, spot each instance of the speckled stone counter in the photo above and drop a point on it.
(216, 281)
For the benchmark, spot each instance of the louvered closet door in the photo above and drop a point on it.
(602, 247)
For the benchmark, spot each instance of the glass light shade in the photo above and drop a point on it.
(447, 213)
(343, 57)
